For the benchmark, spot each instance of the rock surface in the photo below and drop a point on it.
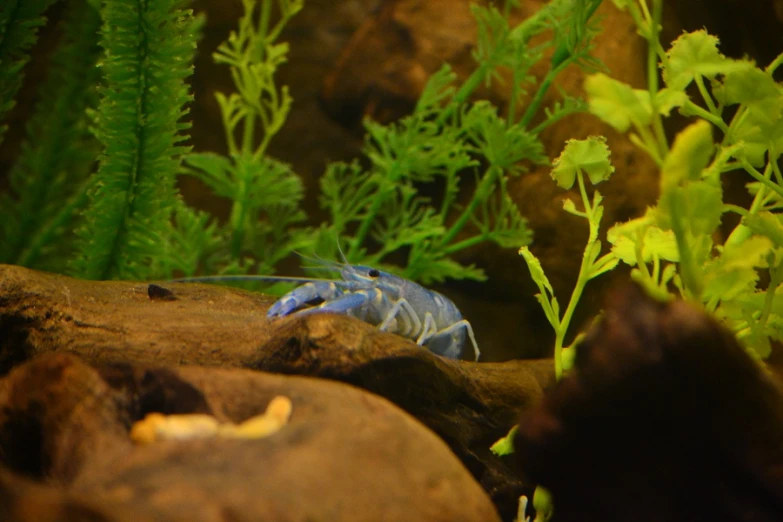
(344, 455)
(469, 405)
(665, 417)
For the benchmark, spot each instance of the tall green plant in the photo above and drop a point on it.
(19, 23)
(673, 248)
(126, 227)
(149, 50)
(265, 193)
(49, 180)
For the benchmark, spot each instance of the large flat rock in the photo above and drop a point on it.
(345, 454)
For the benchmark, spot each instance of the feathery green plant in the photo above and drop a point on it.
(265, 192)
(58, 153)
(378, 211)
(149, 51)
(19, 23)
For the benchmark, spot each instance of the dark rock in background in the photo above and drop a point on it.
(665, 417)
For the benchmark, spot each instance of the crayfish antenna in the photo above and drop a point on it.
(323, 264)
(340, 249)
(223, 278)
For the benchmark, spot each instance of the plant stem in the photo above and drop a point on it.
(761, 178)
(263, 18)
(538, 98)
(466, 243)
(706, 96)
(493, 172)
(369, 217)
(461, 96)
(704, 114)
(772, 67)
(581, 281)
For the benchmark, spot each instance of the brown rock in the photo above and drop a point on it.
(344, 455)
(469, 405)
(665, 417)
(23, 500)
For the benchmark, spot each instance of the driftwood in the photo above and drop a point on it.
(469, 405)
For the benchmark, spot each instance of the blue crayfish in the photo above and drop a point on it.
(392, 303)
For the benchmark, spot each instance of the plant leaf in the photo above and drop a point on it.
(590, 155)
(617, 103)
(695, 54)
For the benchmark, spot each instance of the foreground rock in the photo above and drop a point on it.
(664, 418)
(344, 455)
(469, 405)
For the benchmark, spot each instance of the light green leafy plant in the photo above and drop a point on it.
(674, 245)
(581, 161)
(674, 248)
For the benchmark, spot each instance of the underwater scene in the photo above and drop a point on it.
(391, 260)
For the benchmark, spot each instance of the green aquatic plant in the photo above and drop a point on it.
(19, 23)
(580, 161)
(129, 220)
(48, 183)
(148, 55)
(265, 193)
(377, 210)
(673, 248)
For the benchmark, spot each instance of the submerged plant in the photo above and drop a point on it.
(447, 135)
(149, 52)
(19, 23)
(673, 245)
(265, 193)
(673, 248)
(130, 221)
(48, 183)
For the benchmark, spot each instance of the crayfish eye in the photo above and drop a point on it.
(373, 273)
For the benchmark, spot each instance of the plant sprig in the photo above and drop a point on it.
(58, 153)
(19, 23)
(265, 192)
(579, 160)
